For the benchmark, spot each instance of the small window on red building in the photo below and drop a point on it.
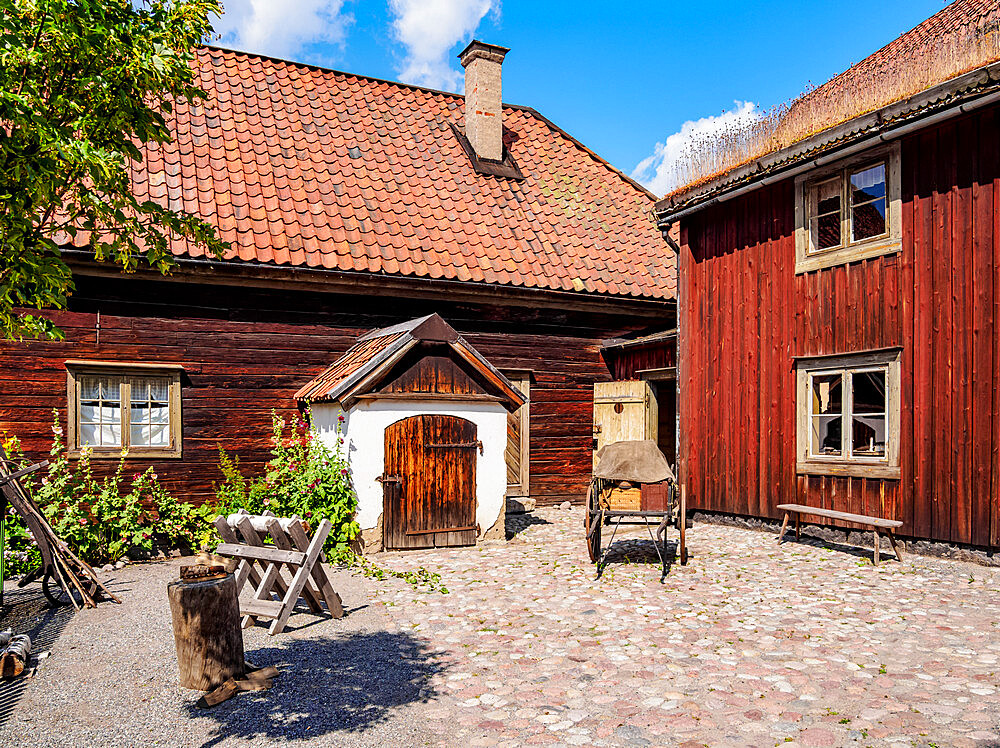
(114, 407)
(848, 212)
(849, 415)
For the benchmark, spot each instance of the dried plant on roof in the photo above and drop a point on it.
(904, 68)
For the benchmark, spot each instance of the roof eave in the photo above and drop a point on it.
(955, 96)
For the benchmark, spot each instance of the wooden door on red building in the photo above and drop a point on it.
(429, 483)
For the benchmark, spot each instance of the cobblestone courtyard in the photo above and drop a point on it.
(750, 644)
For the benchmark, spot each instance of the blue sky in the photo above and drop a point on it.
(620, 77)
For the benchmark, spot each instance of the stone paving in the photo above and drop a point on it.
(749, 644)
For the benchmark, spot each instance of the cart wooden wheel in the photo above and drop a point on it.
(57, 595)
(593, 524)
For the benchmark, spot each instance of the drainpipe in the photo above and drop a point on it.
(681, 480)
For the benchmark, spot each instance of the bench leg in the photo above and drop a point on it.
(892, 539)
(876, 554)
(797, 519)
(784, 526)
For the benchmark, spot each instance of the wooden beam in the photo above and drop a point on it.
(267, 553)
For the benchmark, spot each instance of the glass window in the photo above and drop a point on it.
(868, 203)
(826, 220)
(852, 402)
(864, 217)
(117, 411)
(100, 411)
(150, 416)
(827, 414)
(868, 413)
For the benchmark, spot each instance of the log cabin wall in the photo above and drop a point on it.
(744, 315)
(246, 351)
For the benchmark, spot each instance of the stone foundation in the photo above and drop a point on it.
(371, 539)
(861, 538)
(499, 529)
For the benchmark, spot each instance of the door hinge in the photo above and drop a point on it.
(383, 479)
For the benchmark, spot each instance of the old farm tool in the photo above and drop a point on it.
(289, 547)
(633, 484)
(61, 570)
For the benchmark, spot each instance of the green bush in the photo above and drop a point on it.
(101, 519)
(303, 477)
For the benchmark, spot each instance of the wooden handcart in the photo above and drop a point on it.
(65, 577)
(617, 497)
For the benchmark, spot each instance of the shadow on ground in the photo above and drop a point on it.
(518, 523)
(624, 551)
(859, 551)
(345, 684)
(28, 612)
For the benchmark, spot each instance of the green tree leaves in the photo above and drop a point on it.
(82, 84)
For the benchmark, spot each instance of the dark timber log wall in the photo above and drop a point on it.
(745, 314)
(245, 351)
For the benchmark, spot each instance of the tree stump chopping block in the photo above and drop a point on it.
(207, 632)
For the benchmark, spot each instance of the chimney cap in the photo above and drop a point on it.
(478, 49)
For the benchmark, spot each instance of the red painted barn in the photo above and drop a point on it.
(352, 204)
(840, 300)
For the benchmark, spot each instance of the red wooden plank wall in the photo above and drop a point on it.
(245, 353)
(625, 363)
(744, 314)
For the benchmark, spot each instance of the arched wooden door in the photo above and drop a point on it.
(429, 484)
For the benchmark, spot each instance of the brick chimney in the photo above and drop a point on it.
(483, 112)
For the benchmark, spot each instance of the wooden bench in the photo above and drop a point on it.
(876, 523)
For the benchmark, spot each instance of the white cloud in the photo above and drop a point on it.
(281, 28)
(429, 29)
(660, 171)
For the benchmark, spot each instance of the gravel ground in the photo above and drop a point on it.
(750, 644)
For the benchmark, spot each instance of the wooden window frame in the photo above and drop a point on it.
(522, 380)
(806, 259)
(75, 369)
(886, 467)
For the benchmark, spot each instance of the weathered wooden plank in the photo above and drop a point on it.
(265, 553)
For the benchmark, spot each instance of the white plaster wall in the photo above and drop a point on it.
(363, 431)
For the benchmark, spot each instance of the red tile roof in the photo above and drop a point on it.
(374, 355)
(302, 166)
(329, 384)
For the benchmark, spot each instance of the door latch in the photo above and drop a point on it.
(395, 479)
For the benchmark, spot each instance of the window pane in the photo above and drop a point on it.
(868, 436)
(826, 433)
(826, 231)
(90, 435)
(156, 389)
(868, 184)
(159, 414)
(868, 220)
(140, 434)
(869, 391)
(158, 436)
(826, 394)
(159, 390)
(111, 435)
(90, 412)
(90, 388)
(100, 388)
(825, 218)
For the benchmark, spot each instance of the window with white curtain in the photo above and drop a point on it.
(115, 407)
